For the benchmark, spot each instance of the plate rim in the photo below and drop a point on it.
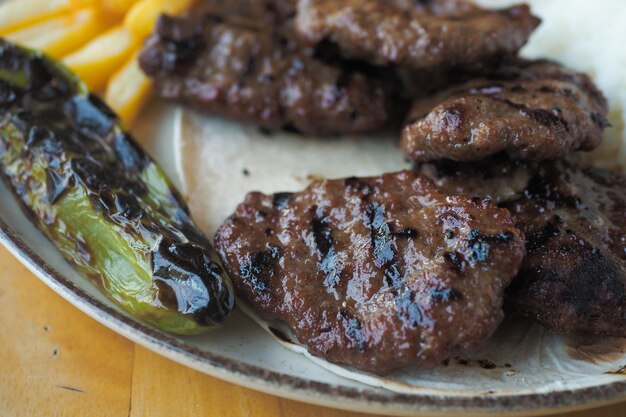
(293, 387)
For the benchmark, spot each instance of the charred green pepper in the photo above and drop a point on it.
(104, 203)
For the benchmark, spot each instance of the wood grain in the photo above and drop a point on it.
(56, 361)
(54, 358)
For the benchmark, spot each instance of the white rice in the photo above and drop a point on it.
(588, 36)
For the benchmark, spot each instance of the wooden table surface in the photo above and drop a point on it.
(56, 361)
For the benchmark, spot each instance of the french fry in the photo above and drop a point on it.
(119, 6)
(99, 59)
(18, 14)
(128, 90)
(61, 35)
(79, 4)
(142, 17)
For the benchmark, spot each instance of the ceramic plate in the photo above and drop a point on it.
(522, 369)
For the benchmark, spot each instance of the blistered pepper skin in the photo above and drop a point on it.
(103, 202)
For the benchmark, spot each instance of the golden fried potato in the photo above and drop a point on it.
(103, 56)
(58, 36)
(17, 14)
(119, 6)
(128, 90)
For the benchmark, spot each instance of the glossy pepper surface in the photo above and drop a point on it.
(103, 202)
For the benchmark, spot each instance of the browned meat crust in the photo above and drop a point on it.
(376, 273)
(251, 13)
(528, 109)
(259, 76)
(426, 35)
(573, 279)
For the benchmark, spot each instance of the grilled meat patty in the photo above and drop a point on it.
(425, 35)
(376, 273)
(573, 279)
(254, 13)
(528, 109)
(257, 75)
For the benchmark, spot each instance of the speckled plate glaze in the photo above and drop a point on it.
(522, 370)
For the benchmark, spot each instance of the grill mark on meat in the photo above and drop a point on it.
(255, 72)
(456, 260)
(357, 184)
(442, 35)
(563, 92)
(343, 81)
(592, 272)
(528, 110)
(328, 257)
(480, 245)
(387, 308)
(573, 278)
(539, 115)
(524, 70)
(280, 200)
(575, 80)
(541, 188)
(444, 295)
(494, 90)
(384, 245)
(600, 120)
(380, 234)
(406, 233)
(409, 311)
(520, 88)
(595, 271)
(321, 234)
(258, 269)
(539, 239)
(353, 330)
(478, 248)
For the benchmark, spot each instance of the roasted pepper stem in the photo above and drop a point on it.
(107, 207)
